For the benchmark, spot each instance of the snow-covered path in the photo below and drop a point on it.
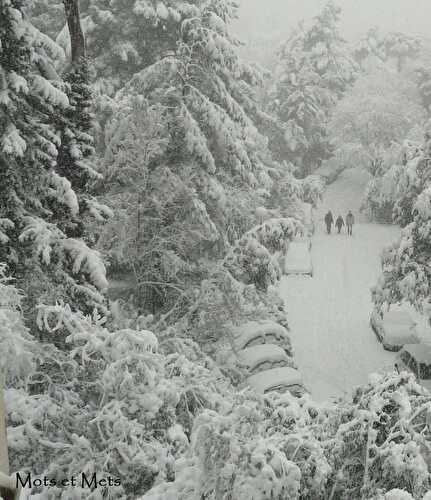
(335, 347)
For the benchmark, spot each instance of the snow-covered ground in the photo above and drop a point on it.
(329, 313)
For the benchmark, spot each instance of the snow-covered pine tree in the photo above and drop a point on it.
(40, 255)
(313, 71)
(193, 69)
(213, 155)
(76, 123)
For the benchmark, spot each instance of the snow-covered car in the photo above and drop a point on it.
(263, 357)
(304, 212)
(298, 258)
(417, 359)
(395, 328)
(278, 379)
(262, 332)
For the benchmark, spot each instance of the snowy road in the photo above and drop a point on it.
(335, 347)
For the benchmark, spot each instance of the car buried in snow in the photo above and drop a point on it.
(278, 379)
(416, 358)
(262, 357)
(262, 332)
(298, 257)
(395, 327)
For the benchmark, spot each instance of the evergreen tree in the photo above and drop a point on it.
(369, 45)
(400, 47)
(212, 155)
(76, 125)
(314, 70)
(405, 263)
(381, 108)
(36, 201)
(394, 47)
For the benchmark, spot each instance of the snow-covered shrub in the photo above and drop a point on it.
(255, 450)
(222, 303)
(312, 189)
(251, 263)
(239, 212)
(160, 416)
(113, 404)
(251, 259)
(274, 234)
(381, 440)
(405, 269)
(286, 192)
(390, 195)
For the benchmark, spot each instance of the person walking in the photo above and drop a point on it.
(339, 223)
(329, 220)
(350, 220)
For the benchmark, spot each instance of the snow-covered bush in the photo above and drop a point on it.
(381, 441)
(114, 404)
(251, 259)
(405, 270)
(390, 194)
(258, 449)
(157, 414)
(312, 189)
(221, 303)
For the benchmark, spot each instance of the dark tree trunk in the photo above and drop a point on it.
(77, 40)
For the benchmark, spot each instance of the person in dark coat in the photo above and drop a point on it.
(339, 223)
(329, 220)
(350, 220)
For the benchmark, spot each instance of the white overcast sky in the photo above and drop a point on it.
(261, 17)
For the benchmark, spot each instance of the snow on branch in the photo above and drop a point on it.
(64, 193)
(43, 235)
(86, 260)
(5, 224)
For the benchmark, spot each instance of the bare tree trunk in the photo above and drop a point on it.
(77, 40)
